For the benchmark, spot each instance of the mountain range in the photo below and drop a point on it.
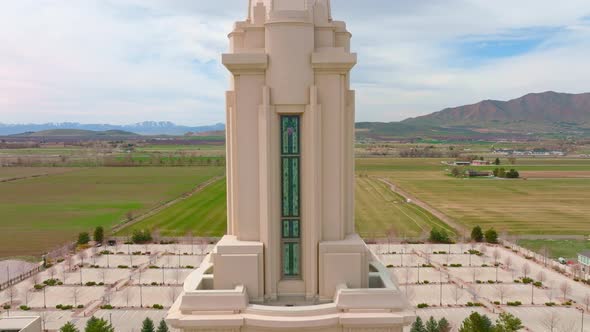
(536, 114)
(547, 114)
(142, 128)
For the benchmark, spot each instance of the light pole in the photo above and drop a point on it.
(140, 291)
(441, 286)
(497, 272)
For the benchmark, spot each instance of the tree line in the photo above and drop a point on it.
(100, 325)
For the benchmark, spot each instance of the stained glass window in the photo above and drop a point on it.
(290, 183)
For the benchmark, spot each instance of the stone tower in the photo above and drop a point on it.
(290, 167)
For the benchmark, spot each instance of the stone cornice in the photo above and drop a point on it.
(333, 60)
(245, 62)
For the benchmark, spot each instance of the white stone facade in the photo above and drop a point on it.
(291, 258)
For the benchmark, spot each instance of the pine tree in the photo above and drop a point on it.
(444, 325)
(99, 234)
(418, 326)
(98, 325)
(162, 327)
(148, 326)
(477, 234)
(69, 327)
(477, 323)
(431, 325)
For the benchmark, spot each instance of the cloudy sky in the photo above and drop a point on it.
(126, 61)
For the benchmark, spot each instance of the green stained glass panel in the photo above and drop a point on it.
(295, 228)
(291, 192)
(291, 260)
(295, 263)
(290, 135)
(286, 259)
(295, 186)
(291, 229)
(286, 188)
(290, 183)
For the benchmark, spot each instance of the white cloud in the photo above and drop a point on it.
(124, 61)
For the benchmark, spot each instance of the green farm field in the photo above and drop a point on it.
(378, 210)
(554, 200)
(50, 210)
(568, 249)
(40, 213)
(203, 214)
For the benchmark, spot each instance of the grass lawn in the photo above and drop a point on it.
(40, 213)
(378, 210)
(535, 206)
(568, 249)
(203, 214)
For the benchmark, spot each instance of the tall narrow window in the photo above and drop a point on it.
(290, 207)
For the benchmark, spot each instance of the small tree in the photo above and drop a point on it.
(497, 161)
(418, 325)
(444, 325)
(148, 326)
(432, 325)
(141, 236)
(508, 323)
(565, 289)
(550, 321)
(75, 294)
(163, 327)
(12, 292)
(497, 255)
(477, 323)
(512, 174)
(203, 245)
(477, 234)
(82, 255)
(83, 238)
(52, 272)
(457, 294)
(502, 291)
(526, 269)
(491, 236)
(439, 236)
(508, 262)
(69, 327)
(98, 325)
(99, 234)
(587, 301)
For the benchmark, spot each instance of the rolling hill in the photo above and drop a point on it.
(536, 114)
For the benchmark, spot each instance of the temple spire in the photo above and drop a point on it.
(278, 5)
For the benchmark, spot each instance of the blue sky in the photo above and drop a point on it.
(126, 61)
